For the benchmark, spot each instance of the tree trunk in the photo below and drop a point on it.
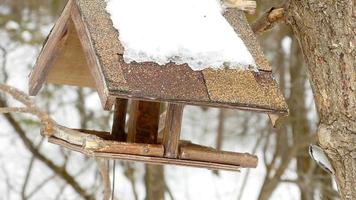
(326, 33)
(155, 183)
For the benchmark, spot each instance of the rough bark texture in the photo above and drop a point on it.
(299, 119)
(326, 32)
(155, 183)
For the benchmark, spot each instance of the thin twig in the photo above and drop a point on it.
(28, 173)
(129, 173)
(41, 185)
(103, 165)
(113, 179)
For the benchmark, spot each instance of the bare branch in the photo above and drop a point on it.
(103, 165)
(28, 173)
(129, 173)
(47, 122)
(59, 171)
(268, 20)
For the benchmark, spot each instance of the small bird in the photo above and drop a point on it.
(320, 158)
(245, 5)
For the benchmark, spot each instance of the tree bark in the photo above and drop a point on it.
(155, 183)
(326, 33)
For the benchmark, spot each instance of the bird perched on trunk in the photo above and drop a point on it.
(321, 159)
(245, 5)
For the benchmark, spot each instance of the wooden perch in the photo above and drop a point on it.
(268, 20)
(93, 143)
(147, 159)
(245, 5)
(200, 153)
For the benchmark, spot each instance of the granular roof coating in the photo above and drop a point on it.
(178, 83)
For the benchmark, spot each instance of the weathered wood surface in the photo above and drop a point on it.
(92, 59)
(172, 129)
(70, 66)
(50, 51)
(119, 121)
(96, 141)
(143, 122)
(206, 154)
(133, 149)
(147, 159)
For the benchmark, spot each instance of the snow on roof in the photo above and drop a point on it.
(180, 31)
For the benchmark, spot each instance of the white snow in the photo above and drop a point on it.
(12, 25)
(180, 31)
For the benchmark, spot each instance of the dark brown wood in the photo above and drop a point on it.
(119, 121)
(143, 122)
(155, 150)
(171, 132)
(50, 51)
(147, 159)
(206, 154)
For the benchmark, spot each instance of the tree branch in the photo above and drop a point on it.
(61, 172)
(103, 165)
(269, 19)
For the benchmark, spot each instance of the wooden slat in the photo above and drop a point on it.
(143, 122)
(71, 67)
(92, 59)
(50, 51)
(102, 134)
(199, 153)
(171, 132)
(148, 159)
(134, 149)
(119, 121)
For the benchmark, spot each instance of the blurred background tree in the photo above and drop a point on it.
(33, 169)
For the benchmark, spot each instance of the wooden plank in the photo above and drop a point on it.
(71, 68)
(119, 121)
(92, 59)
(102, 134)
(171, 132)
(134, 149)
(50, 51)
(250, 108)
(206, 154)
(143, 122)
(148, 159)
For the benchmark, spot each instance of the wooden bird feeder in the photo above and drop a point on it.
(83, 50)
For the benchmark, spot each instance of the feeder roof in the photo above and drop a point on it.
(84, 49)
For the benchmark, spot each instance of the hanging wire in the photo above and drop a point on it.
(113, 181)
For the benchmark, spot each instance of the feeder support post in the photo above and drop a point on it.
(172, 128)
(118, 127)
(143, 122)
